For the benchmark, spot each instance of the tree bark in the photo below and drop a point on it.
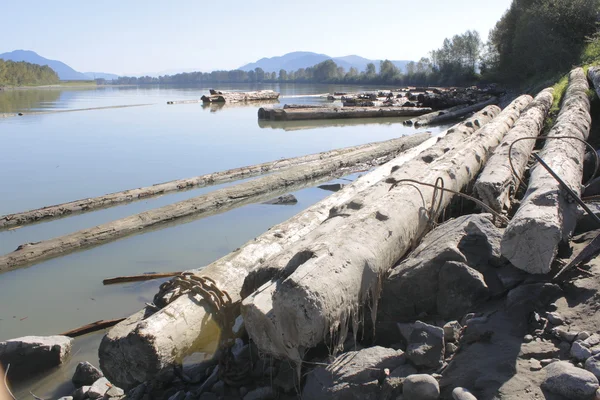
(217, 201)
(546, 217)
(337, 269)
(237, 97)
(300, 114)
(497, 183)
(126, 196)
(454, 115)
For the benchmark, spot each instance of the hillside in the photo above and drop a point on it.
(23, 73)
(304, 59)
(63, 70)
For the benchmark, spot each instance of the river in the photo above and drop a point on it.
(53, 158)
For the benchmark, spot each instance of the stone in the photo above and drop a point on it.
(180, 395)
(579, 351)
(114, 392)
(526, 298)
(420, 387)
(66, 398)
(353, 375)
(564, 334)
(548, 361)
(451, 348)
(510, 277)
(555, 318)
(592, 341)
(261, 393)
(286, 199)
(460, 393)
(467, 318)
(527, 338)
(98, 389)
(592, 364)
(564, 379)
(32, 354)
(81, 393)
(403, 371)
(86, 374)
(538, 349)
(534, 365)
(208, 396)
(218, 388)
(583, 335)
(452, 331)
(137, 392)
(426, 345)
(459, 288)
(286, 379)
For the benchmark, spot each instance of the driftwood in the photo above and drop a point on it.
(112, 199)
(497, 183)
(20, 114)
(237, 97)
(218, 200)
(546, 216)
(298, 114)
(424, 119)
(151, 345)
(330, 275)
(93, 327)
(139, 278)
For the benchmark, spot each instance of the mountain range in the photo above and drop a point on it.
(304, 59)
(65, 73)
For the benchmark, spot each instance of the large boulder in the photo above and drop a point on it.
(353, 375)
(32, 354)
(421, 387)
(86, 374)
(565, 379)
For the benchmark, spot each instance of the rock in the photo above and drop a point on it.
(583, 335)
(81, 393)
(459, 288)
(426, 345)
(592, 341)
(548, 361)
(352, 375)
(114, 392)
(509, 276)
(569, 381)
(286, 199)
(538, 349)
(421, 387)
(334, 187)
(213, 396)
(218, 388)
(563, 334)
(592, 364)
(262, 393)
(452, 331)
(534, 365)
(32, 354)
(86, 374)
(286, 379)
(66, 398)
(460, 393)
(579, 351)
(526, 298)
(555, 318)
(450, 349)
(137, 392)
(467, 318)
(527, 338)
(180, 395)
(403, 371)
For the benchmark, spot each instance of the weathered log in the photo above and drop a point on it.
(112, 199)
(142, 344)
(93, 327)
(139, 278)
(454, 115)
(334, 271)
(236, 97)
(594, 76)
(497, 183)
(546, 217)
(428, 117)
(299, 114)
(218, 200)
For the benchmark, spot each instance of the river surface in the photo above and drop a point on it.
(54, 158)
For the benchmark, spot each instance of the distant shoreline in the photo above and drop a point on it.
(61, 86)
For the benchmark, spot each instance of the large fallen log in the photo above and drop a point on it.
(454, 115)
(332, 273)
(497, 183)
(218, 200)
(237, 97)
(299, 114)
(546, 216)
(148, 344)
(126, 196)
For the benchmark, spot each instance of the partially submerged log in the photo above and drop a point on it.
(126, 196)
(329, 276)
(297, 114)
(497, 183)
(142, 344)
(93, 327)
(139, 278)
(218, 200)
(456, 114)
(546, 217)
(236, 97)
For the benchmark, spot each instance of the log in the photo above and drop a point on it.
(329, 276)
(196, 207)
(126, 196)
(139, 278)
(237, 97)
(497, 183)
(93, 327)
(301, 114)
(546, 217)
(184, 101)
(594, 76)
(151, 345)
(428, 117)
(454, 115)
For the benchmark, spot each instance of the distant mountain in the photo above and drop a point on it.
(65, 73)
(100, 75)
(305, 59)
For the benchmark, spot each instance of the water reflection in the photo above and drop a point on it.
(216, 107)
(329, 123)
(12, 101)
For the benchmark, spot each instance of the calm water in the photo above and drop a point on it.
(54, 158)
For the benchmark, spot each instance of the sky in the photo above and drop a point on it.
(149, 36)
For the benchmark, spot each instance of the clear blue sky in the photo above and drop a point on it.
(137, 36)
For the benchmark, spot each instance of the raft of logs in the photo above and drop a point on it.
(217, 96)
(311, 113)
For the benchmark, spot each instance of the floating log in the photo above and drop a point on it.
(454, 115)
(185, 101)
(218, 200)
(497, 183)
(6, 115)
(126, 196)
(139, 278)
(151, 345)
(422, 120)
(237, 97)
(329, 276)
(299, 114)
(546, 217)
(93, 327)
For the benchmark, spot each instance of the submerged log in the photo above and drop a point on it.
(546, 216)
(497, 183)
(454, 115)
(151, 345)
(330, 275)
(298, 114)
(126, 196)
(218, 200)
(236, 97)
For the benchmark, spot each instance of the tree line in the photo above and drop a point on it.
(23, 73)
